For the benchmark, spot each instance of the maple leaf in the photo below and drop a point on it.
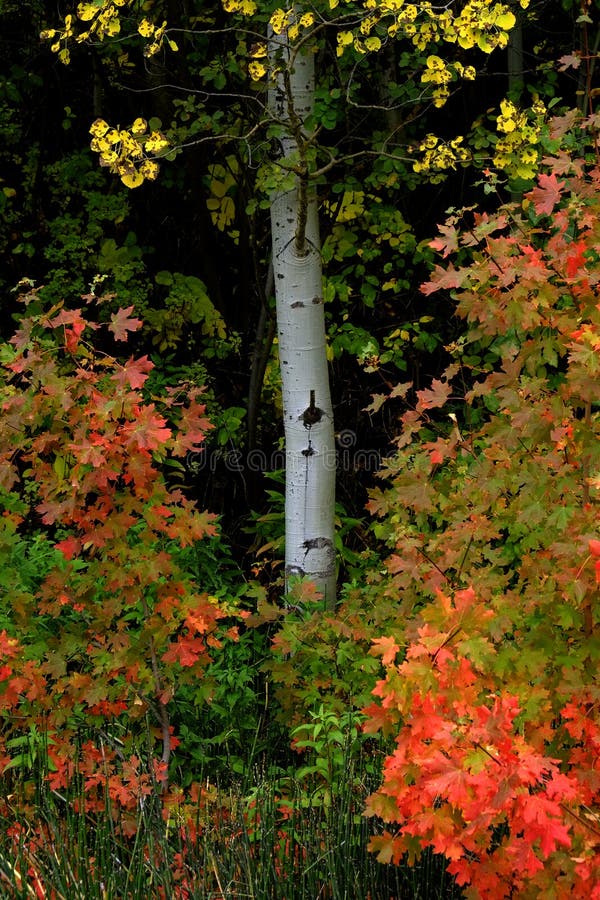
(74, 325)
(441, 278)
(386, 647)
(569, 61)
(576, 260)
(547, 194)
(149, 430)
(191, 429)
(186, 651)
(134, 373)
(563, 163)
(377, 402)
(436, 396)
(121, 323)
(448, 242)
(69, 548)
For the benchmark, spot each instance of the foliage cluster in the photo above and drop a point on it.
(492, 686)
(105, 623)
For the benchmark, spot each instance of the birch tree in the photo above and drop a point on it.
(307, 409)
(361, 30)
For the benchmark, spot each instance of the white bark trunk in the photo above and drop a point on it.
(308, 415)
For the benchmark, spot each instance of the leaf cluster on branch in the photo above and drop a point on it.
(492, 691)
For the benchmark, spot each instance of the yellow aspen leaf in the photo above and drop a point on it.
(307, 19)
(55, 47)
(149, 169)
(293, 32)
(172, 45)
(466, 39)
(48, 34)
(99, 128)
(372, 43)
(258, 51)
(65, 56)
(506, 21)
(139, 126)
(86, 11)
(146, 28)
(132, 179)
(156, 142)
(256, 70)
(484, 44)
(278, 21)
(345, 38)
(333, 4)
(434, 62)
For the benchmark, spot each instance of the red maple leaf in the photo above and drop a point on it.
(69, 548)
(186, 651)
(134, 373)
(191, 430)
(386, 647)
(149, 430)
(437, 396)
(448, 242)
(576, 260)
(547, 194)
(74, 325)
(449, 277)
(121, 323)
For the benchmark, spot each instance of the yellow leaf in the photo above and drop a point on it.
(65, 56)
(156, 142)
(256, 70)
(149, 169)
(146, 28)
(99, 128)
(484, 44)
(172, 45)
(506, 21)
(434, 62)
(132, 179)
(372, 43)
(139, 126)
(86, 11)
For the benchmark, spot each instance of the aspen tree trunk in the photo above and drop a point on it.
(308, 416)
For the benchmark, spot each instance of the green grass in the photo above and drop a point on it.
(234, 843)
